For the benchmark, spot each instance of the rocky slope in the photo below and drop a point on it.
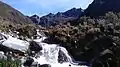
(100, 7)
(60, 17)
(9, 15)
(13, 20)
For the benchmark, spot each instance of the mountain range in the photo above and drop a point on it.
(95, 9)
(60, 17)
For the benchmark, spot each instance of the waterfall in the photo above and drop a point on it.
(52, 54)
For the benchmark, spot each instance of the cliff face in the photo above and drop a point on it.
(100, 7)
(7, 13)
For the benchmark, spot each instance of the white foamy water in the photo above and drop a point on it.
(48, 55)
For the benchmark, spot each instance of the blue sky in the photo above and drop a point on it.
(43, 7)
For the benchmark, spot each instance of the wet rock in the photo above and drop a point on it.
(35, 47)
(69, 65)
(45, 65)
(28, 62)
(62, 57)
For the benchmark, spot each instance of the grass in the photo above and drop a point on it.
(10, 63)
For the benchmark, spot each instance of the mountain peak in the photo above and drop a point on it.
(50, 15)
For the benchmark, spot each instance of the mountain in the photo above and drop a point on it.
(60, 17)
(95, 9)
(11, 15)
(100, 7)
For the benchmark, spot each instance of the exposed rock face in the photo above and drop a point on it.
(100, 7)
(60, 17)
(9, 14)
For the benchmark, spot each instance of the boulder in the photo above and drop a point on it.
(28, 62)
(35, 47)
(62, 57)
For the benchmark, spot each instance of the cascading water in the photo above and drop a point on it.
(54, 55)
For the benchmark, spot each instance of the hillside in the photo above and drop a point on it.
(100, 7)
(90, 39)
(11, 15)
(12, 20)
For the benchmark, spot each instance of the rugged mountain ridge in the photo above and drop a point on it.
(95, 9)
(11, 15)
(60, 17)
(100, 7)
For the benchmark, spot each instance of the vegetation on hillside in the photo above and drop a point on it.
(84, 38)
(77, 35)
(27, 30)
